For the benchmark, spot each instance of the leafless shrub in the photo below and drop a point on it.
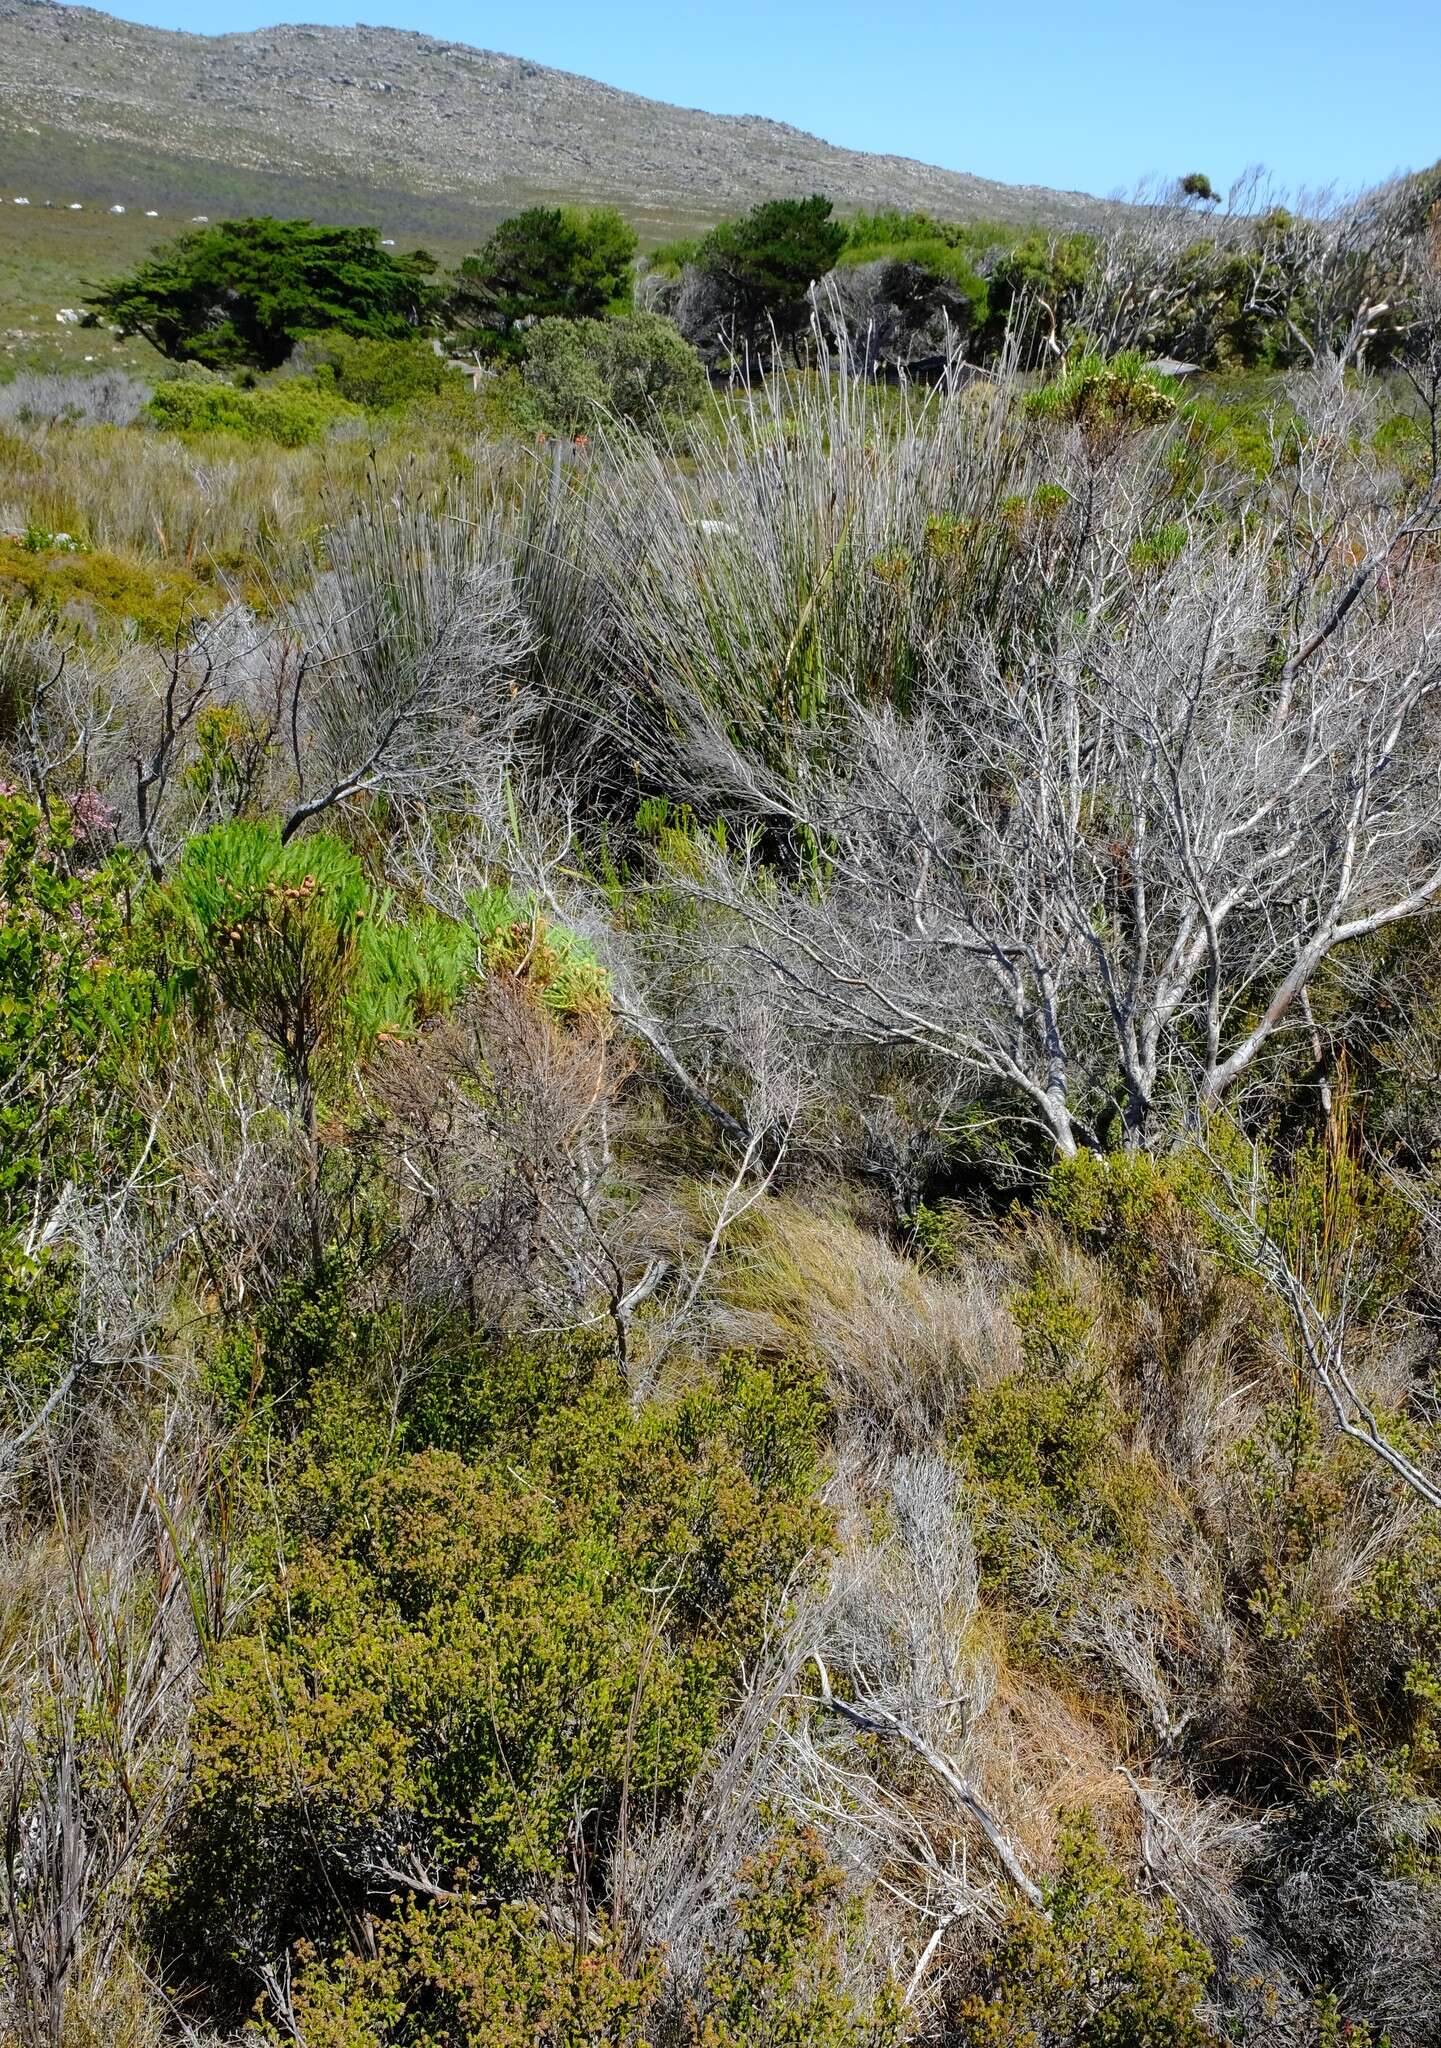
(1344, 1909)
(412, 637)
(498, 1128)
(110, 398)
(1331, 266)
(910, 1811)
(1199, 1852)
(1075, 858)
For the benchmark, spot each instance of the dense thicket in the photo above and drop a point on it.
(718, 1213)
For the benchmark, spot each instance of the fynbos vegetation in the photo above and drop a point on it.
(719, 1017)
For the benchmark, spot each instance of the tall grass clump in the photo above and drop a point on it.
(804, 557)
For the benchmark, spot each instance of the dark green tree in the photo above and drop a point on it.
(1196, 185)
(767, 261)
(240, 294)
(550, 262)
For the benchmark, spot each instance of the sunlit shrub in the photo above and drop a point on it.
(461, 1655)
(292, 412)
(1098, 1968)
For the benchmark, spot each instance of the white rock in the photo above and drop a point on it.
(200, 216)
(117, 209)
(389, 242)
(75, 206)
(22, 202)
(152, 213)
(68, 317)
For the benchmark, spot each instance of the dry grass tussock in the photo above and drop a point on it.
(900, 1345)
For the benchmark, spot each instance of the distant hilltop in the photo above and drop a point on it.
(316, 113)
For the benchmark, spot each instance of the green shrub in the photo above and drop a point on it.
(1104, 394)
(1098, 1968)
(73, 1001)
(465, 1652)
(378, 374)
(292, 936)
(1294, 1483)
(1125, 1205)
(72, 995)
(455, 1973)
(780, 1980)
(98, 590)
(1049, 1474)
(943, 251)
(291, 413)
(582, 373)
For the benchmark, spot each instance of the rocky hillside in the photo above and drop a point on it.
(82, 94)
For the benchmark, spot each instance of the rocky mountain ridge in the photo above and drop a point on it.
(395, 109)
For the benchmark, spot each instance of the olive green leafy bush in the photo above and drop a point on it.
(73, 995)
(470, 1653)
(1098, 1968)
(291, 413)
(584, 374)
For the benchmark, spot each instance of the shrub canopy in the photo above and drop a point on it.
(637, 369)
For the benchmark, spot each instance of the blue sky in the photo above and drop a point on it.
(1026, 90)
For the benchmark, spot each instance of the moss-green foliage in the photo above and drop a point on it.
(514, 933)
(468, 1648)
(1039, 277)
(451, 1974)
(97, 589)
(780, 1982)
(71, 995)
(1162, 546)
(291, 413)
(637, 369)
(72, 998)
(944, 250)
(1299, 1483)
(671, 258)
(1242, 420)
(1049, 1473)
(1099, 1968)
(1129, 1206)
(378, 374)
